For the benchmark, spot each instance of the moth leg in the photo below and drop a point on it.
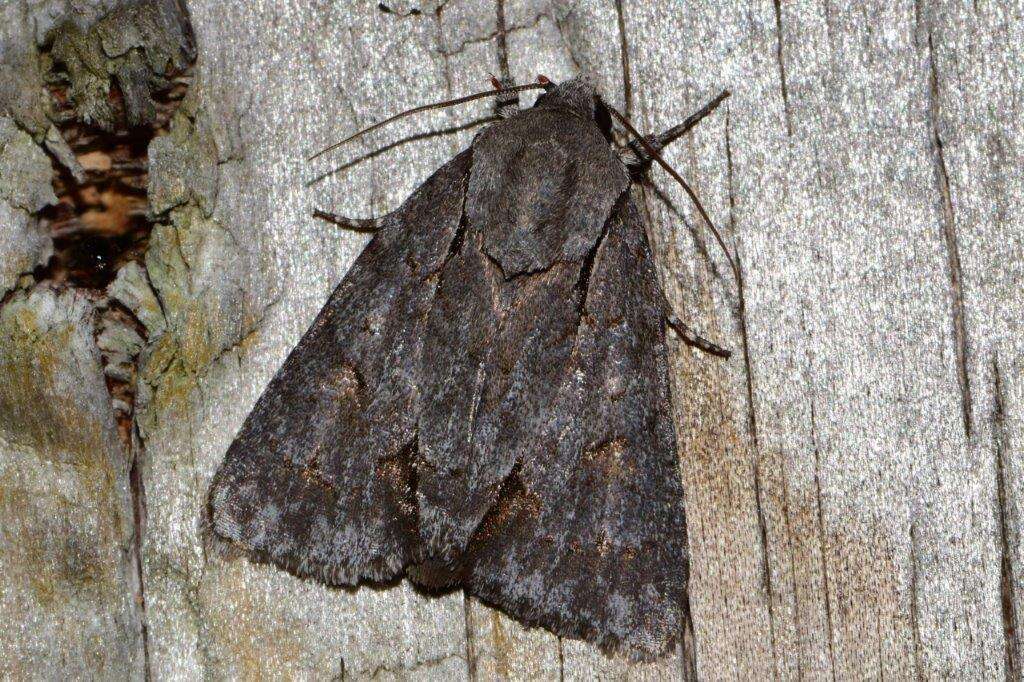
(694, 339)
(687, 334)
(506, 104)
(637, 158)
(354, 224)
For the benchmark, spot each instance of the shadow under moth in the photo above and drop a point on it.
(484, 400)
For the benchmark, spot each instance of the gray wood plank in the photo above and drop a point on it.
(68, 589)
(974, 55)
(854, 475)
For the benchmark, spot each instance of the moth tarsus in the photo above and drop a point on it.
(687, 334)
(484, 399)
(414, 12)
(353, 224)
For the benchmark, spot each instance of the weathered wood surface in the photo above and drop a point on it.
(854, 474)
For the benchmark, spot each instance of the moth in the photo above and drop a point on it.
(484, 399)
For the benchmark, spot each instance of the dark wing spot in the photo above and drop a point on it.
(398, 474)
(513, 500)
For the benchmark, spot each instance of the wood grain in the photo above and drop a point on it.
(854, 474)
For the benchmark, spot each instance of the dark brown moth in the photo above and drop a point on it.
(484, 400)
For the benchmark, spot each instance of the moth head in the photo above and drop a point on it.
(580, 95)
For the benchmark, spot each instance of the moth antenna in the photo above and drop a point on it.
(653, 152)
(427, 107)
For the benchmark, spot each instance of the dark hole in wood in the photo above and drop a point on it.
(101, 223)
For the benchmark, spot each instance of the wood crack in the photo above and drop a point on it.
(952, 247)
(782, 67)
(461, 47)
(688, 646)
(470, 654)
(502, 39)
(1009, 608)
(915, 621)
(403, 672)
(740, 298)
(821, 544)
(138, 496)
(792, 568)
(766, 577)
(627, 84)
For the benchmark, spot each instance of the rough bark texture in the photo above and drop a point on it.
(854, 474)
